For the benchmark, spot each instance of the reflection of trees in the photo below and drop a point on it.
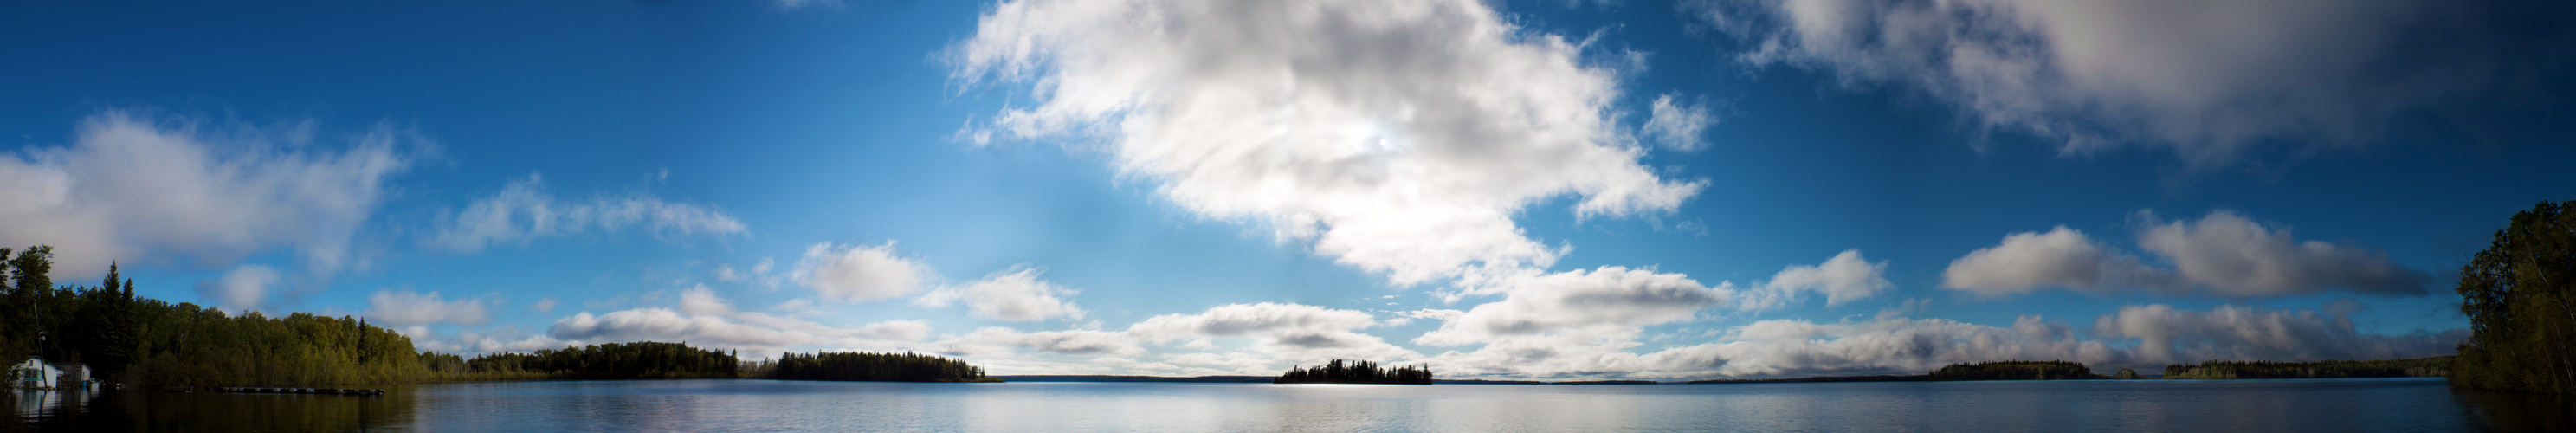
(167, 411)
(2518, 411)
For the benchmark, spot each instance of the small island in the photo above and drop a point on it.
(1344, 371)
(2013, 370)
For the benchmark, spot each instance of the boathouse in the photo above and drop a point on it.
(33, 372)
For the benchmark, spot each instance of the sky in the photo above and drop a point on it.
(1557, 189)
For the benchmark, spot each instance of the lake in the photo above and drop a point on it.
(2403, 404)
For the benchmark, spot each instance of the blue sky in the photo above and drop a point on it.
(1537, 189)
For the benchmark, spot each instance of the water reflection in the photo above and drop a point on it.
(761, 405)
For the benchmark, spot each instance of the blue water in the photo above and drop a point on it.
(2325, 405)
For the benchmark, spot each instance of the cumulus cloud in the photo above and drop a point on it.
(141, 190)
(859, 273)
(1843, 278)
(244, 288)
(1068, 342)
(1614, 296)
(2209, 80)
(522, 211)
(1016, 295)
(2236, 332)
(1293, 332)
(705, 319)
(2236, 256)
(2063, 257)
(1397, 137)
(2223, 253)
(407, 308)
(1678, 125)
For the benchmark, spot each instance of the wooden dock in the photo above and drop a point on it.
(309, 391)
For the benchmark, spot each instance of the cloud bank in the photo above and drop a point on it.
(859, 273)
(1398, 137)
(2211, 81)
(522, 211)
(2223, 254)
(145, 190)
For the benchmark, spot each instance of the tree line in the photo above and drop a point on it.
(147, 342)
(130, 339)
(2520, 297)
(2437, 366)
(2013, 370)
(1362, 371)
(868, 366)
(638, 360)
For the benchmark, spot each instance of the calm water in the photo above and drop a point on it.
(2410, 405)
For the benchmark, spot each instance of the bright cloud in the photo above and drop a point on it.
(407, 308)
(523, 211)
(707, 320)
(2223, 253)
(1678, 125)
(244, 288)
(141, 190)
(1843, 278)
(1399, 137)
(859, 273)
(2211, 80)
(1016, 295)
(1292, 332)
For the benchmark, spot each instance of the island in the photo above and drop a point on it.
(2013, 370)
(1346, 371)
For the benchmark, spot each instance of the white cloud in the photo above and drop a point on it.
(407, 308)
(1843, 278)
(701, 301)
(1678, 125)
(545, 305)
(859, 273)
(2169, 334)
(1399, 137)
(245, 288)
(2211, 80)
(2235, 256)
(132, 189)
(1016, 295)
(2063, 257)
(1292, 332)
(1539, 304)
(2223, 253)
(522, 211)
(1070, 342)
(707, 320)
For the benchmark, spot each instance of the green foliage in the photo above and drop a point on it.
(2125, 374)
(2520, 297)
(2416, 367)
(149, 342)
(869, 366)
(1341, 371)
(639, 360)
(2013, 370)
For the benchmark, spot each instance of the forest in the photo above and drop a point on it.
(638, 360)
(2418, 367)
(144, 342)
(2520, 297)
(2013, 370)
(130, 339)
(868, 366)
(1342, 371)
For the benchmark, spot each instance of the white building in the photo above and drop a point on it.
(33, 372)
